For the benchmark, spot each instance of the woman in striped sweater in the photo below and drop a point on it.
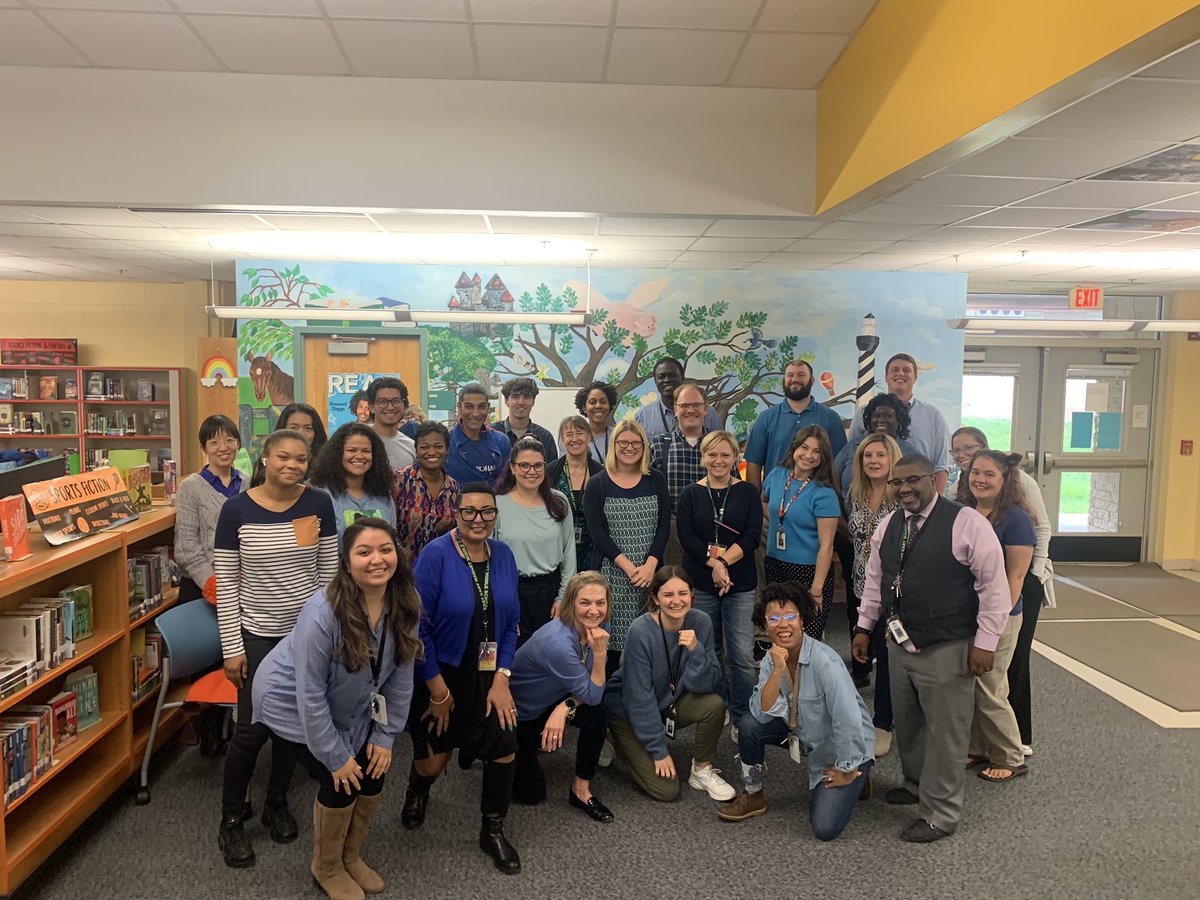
(276, 546)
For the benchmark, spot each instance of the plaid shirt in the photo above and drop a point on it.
(678, 460)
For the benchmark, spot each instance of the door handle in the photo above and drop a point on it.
(1029, 463)
(1047, 462)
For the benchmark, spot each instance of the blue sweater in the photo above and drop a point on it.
(640, 691)
(547, 671)
(448, 600)
(481, 460)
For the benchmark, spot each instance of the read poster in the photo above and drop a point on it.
(73, 506)
(348, 397)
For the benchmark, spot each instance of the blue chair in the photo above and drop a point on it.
(193, 645)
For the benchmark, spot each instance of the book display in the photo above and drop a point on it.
(80, 662)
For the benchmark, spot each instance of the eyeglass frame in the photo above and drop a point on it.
(530, 466)
(478, 513)
(623, 444)
(911, 480)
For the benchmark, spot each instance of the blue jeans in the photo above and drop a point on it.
(733, 635)
(829, 809)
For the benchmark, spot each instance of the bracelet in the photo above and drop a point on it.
(439, 702)
(723, 561)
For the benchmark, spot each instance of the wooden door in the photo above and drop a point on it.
(331, 381)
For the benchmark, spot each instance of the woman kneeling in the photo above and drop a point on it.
(805, 697)
(338, 689)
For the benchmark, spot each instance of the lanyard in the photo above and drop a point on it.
(718, 511)
(377, 659)
(565, 482)
(603, 456)
(782, 508)
(792, 713)
(481, 589)
(673, 669)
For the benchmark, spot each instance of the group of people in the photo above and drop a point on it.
(484, 587)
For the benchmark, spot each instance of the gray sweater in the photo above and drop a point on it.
(539, 544)
(197, 506)
(640, 691)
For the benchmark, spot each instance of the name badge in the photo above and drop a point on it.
(578, 533)
(670, 723)
(795, 751)
(896, 630)
(379, 709)
(488, 651)
(780, 540)
(715, 550)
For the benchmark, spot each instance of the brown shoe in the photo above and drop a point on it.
(868, 789)
(744, 806)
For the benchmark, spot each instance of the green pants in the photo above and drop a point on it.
(705, 711)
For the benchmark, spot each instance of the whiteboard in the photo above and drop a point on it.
(552, 406)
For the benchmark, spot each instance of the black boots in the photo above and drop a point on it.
(279, 819)
(235, 845)
(493, 804)
(416, 799)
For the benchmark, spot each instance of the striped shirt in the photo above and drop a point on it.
(269, 563)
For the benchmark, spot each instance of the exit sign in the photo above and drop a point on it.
(1086, 298)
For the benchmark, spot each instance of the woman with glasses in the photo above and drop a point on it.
(461, 698)
(628, 510)
(569, 475)
(426, 497)
(1037, 590)
(596, 403)
(535, 522)
(353, 470)
(868, 502)
(802, 508)
(806, 698)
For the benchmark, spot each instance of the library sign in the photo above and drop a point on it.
(74, 506)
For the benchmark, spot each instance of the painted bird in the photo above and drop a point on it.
(758, 341)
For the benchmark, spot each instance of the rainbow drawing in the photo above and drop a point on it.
(218, 371)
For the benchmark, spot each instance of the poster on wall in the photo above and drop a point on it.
(347, 397)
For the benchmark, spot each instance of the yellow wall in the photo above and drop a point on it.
(118, 325)
(1176, 509)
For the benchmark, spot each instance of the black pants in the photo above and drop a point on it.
(189, 590)
(247, 741)
(327, 795)
(537, 594)
(1020, 691)
(844, 548)
(530, 783)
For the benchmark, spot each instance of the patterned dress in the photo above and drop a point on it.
(420, 517)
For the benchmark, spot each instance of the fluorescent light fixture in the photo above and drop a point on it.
(379, 247)
(310, 313)
(393, 316)
(1126, 325)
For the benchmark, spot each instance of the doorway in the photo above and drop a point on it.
(1081, 419)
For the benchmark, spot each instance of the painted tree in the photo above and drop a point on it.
(275, 288)
(454, 357)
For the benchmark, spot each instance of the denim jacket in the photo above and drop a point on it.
(833, 724)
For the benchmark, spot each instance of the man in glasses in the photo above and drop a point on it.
(659, 417)
(389, 400)
(477, 452)
(519, 396)
(936, 579)
(676, 453)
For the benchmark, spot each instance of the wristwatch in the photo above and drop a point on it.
(860, 630)
(571, 707)
(507, 673)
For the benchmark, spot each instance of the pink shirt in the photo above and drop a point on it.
(974, 544)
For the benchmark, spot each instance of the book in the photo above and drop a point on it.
(137, 483)
(68, 422)
(16, 674)
(81, 595)
(85, 683)
(20, 639)
(20, 387)
(52, 625)
(66, 719)
(145, 390)
(48, 387)
(6, 388)
(42, 718)
(7, 422)
(63, 612)
(170, 470)
(158, 421)
(15, 528)
(70, 388)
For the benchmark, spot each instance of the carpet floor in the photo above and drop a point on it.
(1144, 585)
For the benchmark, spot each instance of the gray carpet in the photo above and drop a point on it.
(1076, 603)
(1144, 585)
(1105, 813)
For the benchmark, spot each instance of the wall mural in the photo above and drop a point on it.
(734, 330)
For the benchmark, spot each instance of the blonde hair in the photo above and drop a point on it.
(610, 458)
(713, 437)
(566, 608)
(860, 484)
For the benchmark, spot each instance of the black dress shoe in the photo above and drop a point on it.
(412, 816)
(592, 807)
(901, 796)
(922, 832)
(279, 819)
(235, 845)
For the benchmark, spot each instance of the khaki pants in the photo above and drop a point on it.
(705, 711)
(994, 731)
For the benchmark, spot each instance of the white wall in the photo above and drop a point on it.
(183, 138)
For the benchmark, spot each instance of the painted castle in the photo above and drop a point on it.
(470, 296)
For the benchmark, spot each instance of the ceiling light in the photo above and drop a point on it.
(391, 316)
(379, 247)
(1126, 325)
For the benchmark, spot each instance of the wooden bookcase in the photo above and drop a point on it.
(167, 391)
(107, 754)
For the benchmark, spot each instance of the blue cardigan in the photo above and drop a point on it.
(448, 601)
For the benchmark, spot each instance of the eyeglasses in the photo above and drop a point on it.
(628, 445)
(786, 617)
(689, 406)
(911, 479)
(969, 448)
(531, 467)
(470, 513)
(385, 402)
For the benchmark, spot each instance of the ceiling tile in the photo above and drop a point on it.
(417, 223)
(322, 223)
(38, 230)
(742, 245)
(1108, 194)
(542, 224)
(616, 263)
(1184, 64)
(444, 10)
(1053, 157)
(1190, 203)
(680, 226)
(971, 190)
(791, 228)
(958, 233)
(407, 49)
(914, 214)
(634, 255)
(1153, 110)
(25, 40)
(730, 14)
(213, 221)
(719, 257)
(671, 56)
(870, 231)
(950, 248)
(1079, 237)
(1036, 217)
(543, 12)
(650, 243)
(124, 40)
(13, 214)
(125, 5)
(251, 7)
(830, 16)
(796, 61)
(123, 233)
(1177, 241)
(84, 215)
(541, 52)
(272, 45)
(814, 245)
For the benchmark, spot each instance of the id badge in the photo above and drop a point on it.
(487, 656)
(715, 550)
(780, 540)
(670, 726)
(896, 630)
(578, 533)
(379, 709)
(794, 750)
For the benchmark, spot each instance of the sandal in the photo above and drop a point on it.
(1013, 772)
(973, 761)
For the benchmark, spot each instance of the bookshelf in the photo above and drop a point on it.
(104, 756)
(89, 410)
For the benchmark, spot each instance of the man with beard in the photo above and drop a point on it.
(936, 578)
(774, 429)
(659, 417)
(477, 452)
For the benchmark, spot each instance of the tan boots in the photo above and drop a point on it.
(364, 811)
(338, 835)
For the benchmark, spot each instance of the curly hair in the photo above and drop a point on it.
(903, 419)
(1010, 491)
(610, 392)
(555, 505)
(329, 472)
(782, 593)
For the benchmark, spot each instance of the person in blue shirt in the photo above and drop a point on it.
(659, 417)
(802, 509)
(558, 680)
(477, 452)
(337, 689)
(353, 469)
(774, 429)
(806, 697)
(883, 414)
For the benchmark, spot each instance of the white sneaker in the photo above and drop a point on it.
(606, 754)
(710, 780)
(727, 715)
(883, 743)
(1026, 751)
(733, 733)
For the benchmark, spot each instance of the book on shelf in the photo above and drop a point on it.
(48, 387)
(62, 609)
(86, 685)
(13, 743)
(21, 642)
(170, 470)
(66, 719)
(145, 390)
(114, 389)
(15, 528)
(16, 674)
(81, 597)
(68, 422)
(137, 484)
(40, 717)
(146, 584)
(31, 422)
(158, 422)
(145, 653)
(95, 387)
(20, 387)
(7, 423)
(6, 387)
(70, 388)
